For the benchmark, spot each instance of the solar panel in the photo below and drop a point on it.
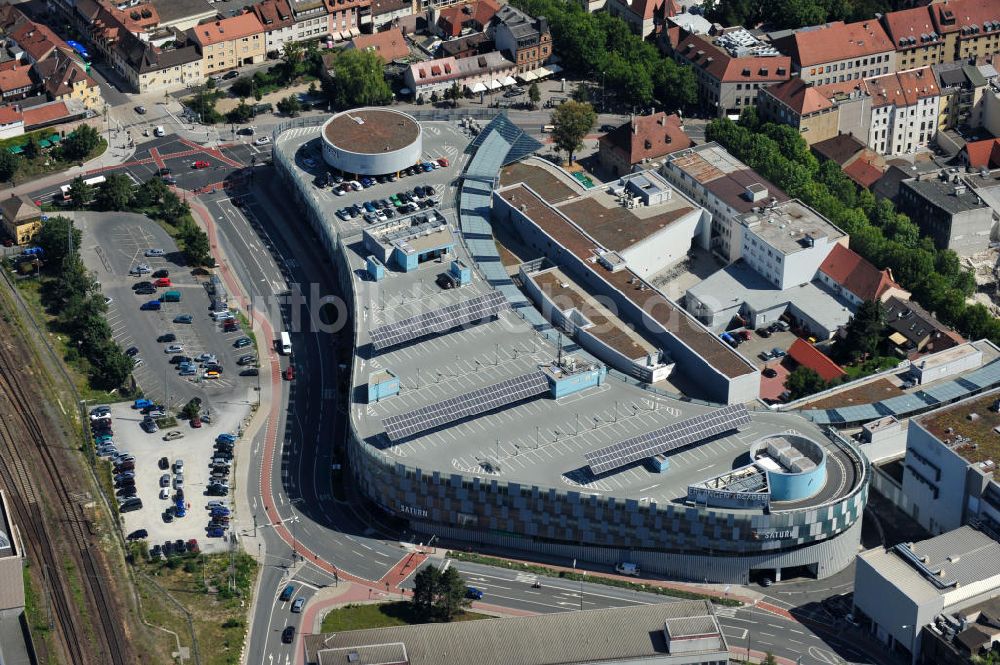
(439, 320)
(470, 404)
(675, 435)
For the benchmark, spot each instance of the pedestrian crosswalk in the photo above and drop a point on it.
(728, 612)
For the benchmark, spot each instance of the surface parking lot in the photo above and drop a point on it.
(119, 242)
(195, 449)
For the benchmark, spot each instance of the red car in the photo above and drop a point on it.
(200, 164)
(163, 281)
(196, 422)
(443, 161)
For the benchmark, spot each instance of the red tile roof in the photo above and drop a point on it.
(10, 114)
(227, 29)
(809, 356)
(847, 268)
(863, 172)
(903, 88)
(720, 65)
(800, 97)
(953, 15)
(654, 136)
(983, 153)
(838, 41)
(910, 23)
(644, 9)
(37, 40)
(390, 44)
(45, 113)
(15, 78)
(273, 14)
(452, 18)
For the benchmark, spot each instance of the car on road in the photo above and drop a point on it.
(228, 76)
(297, 605)
(154, 251)
(200, 164)
(173, 435)
(174, 348)
(287, 593)
(473, 593)
(262, 140)
(183, 318)
(247, 131)
(141, 110)
(164, 171)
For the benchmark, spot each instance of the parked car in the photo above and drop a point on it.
(183, 318)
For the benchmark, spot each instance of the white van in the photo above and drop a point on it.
(218, 316)
(159, 131)
(630, 569)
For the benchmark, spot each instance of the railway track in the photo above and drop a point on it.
(23, 436)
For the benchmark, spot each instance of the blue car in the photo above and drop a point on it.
(226, 437)
(188, 372)
(141, 403)
(473, 593)
(215, 532)
(179, 509)
(220, 511)
(151, 305)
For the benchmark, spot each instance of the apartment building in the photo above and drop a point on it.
(838, 51)
(345, 17)
(642, 16)
(951, 209)
(963, 93)
(524, 40)
(971, 28)
(731, 68)
(279, 24)
(310, 19)
(64, 79)
(229, 43)
(915, 37)
(802, 106)
(904, 111)
(640, 140)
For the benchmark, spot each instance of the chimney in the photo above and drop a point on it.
(663, 120)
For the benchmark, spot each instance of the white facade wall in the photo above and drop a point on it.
(934, 480)
(667, 246)
(898, 130)
(784, 270)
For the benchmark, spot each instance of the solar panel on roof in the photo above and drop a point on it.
(668, 438)
(439, 320)
(470, 404)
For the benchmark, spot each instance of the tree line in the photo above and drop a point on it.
(600, 46)
(879, 233)
(71, 294)
(77, 146)
(776, 14)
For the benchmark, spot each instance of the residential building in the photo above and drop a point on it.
(463, 19)
(22, 219)
(182, 15)
(463, 47)
(962, 87)
(33, 42)
(524, 40)
(910, 589)
(347, 16)
(802, 106)
(904, 111)
(949, 211)
(11, 121)
(858, 162)
(385, 12)
(725, 187)
(640, 140)
(837, 52)
(16, 81)
(311, 19)
(731, 68)
(971, 28)
(424, 78)
(916, 329)
(229, 43)
(855, 279)
(787, 242)
(644, 17)
(914, 36)
(64, 79)
(683, 632)
(279, 24)
(389, 45)
(150, 68)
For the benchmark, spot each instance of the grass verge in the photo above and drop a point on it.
(596, 579)
(380, 615)
(214, 593)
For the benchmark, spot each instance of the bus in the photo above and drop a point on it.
(82, 52)
(93, 182)
(286, 343)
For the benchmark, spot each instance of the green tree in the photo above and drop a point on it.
(115, 193)
(438, 595)
(8, 165)
(150, 193)
(455, 94)
(195, 244)
(293, 57)
(31, 147)
(80, 143)
(451, 598)
(80, 192)
(534, 94)
(425, 586)
(243, 112)
(358, 79)
(110, 367)
(55, 238)
(290, 105)
(581, 93)
(864, 331)
(572, 121)
(804, 381)
(242, 87)
(202, 103)
(210, 83)
(191, 409)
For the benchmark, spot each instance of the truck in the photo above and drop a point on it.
(171, 296)
(625, 568)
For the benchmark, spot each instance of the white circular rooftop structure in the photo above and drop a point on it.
(372, 141)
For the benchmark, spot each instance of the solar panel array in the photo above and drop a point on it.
(470, 404)
(675, 435)
(438, 320)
